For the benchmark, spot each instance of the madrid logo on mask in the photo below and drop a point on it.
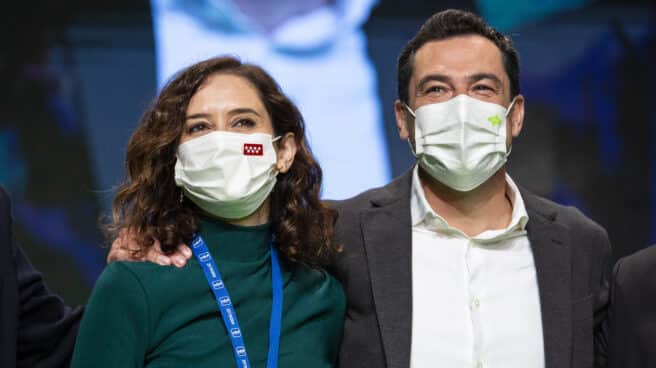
(253, 149)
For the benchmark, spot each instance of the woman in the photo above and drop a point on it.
(220, 162)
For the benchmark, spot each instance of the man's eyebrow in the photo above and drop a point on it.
(480, 76)
(433, 78)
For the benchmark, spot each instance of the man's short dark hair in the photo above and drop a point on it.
(451, 23)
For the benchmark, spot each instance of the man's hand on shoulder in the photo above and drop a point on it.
(123, 246)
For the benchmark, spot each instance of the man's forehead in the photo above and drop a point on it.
(459, 56)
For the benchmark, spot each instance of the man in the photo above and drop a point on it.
(37, 330)
(452, 264)
(632, 316)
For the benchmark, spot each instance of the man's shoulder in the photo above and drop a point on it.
(568, 216)
(356, 203)
(638, 266)
(349, 210)
(395, 190)
(588, 240)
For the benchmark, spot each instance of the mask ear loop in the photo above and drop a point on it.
(512, 103)
(509, 151)
(412, 149)
(409, 110)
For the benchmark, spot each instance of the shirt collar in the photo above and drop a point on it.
(422, 214)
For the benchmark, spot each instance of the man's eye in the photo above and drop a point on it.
(435, 89)
(482, 87)
(197, 127)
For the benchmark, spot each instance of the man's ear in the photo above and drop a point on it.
(404, 121)
(515, 119)
(286, 152)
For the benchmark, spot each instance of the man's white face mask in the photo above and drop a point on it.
(227, 174)
(461, 142)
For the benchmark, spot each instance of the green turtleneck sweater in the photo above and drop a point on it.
(144, 315)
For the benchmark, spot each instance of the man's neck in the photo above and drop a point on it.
(487, 207)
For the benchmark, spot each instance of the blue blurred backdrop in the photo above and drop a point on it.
(78, 75)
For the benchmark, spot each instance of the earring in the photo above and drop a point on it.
(181, 196)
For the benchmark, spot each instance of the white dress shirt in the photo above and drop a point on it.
(475, 300)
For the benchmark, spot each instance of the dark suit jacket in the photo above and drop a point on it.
(36, 328)
(572, 260)
(632, 316)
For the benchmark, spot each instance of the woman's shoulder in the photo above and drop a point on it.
(142, 287)
(315, 300)
(317, 279)
(121, 270)
(146, 276)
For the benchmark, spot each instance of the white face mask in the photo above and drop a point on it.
(227, 174)
(461, 142)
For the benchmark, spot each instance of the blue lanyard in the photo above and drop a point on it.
(228, 314)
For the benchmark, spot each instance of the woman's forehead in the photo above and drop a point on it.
(222, 92)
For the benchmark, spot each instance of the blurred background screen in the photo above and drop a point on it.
(78, 75)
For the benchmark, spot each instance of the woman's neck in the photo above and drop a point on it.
(259, 217)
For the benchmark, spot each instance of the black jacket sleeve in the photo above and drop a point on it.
(632, 316)
(39, 328)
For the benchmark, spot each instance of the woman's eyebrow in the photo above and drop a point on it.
(243, 110)
(198, 116)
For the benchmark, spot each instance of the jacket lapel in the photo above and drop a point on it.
(550, 246)
(387, 233)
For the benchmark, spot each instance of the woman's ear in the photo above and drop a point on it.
(286, 152)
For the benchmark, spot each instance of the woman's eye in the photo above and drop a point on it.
(197, 127)
(243, 123)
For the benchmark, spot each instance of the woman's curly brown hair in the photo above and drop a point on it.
(148, 202)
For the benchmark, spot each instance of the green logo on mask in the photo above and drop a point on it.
(495, 120)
